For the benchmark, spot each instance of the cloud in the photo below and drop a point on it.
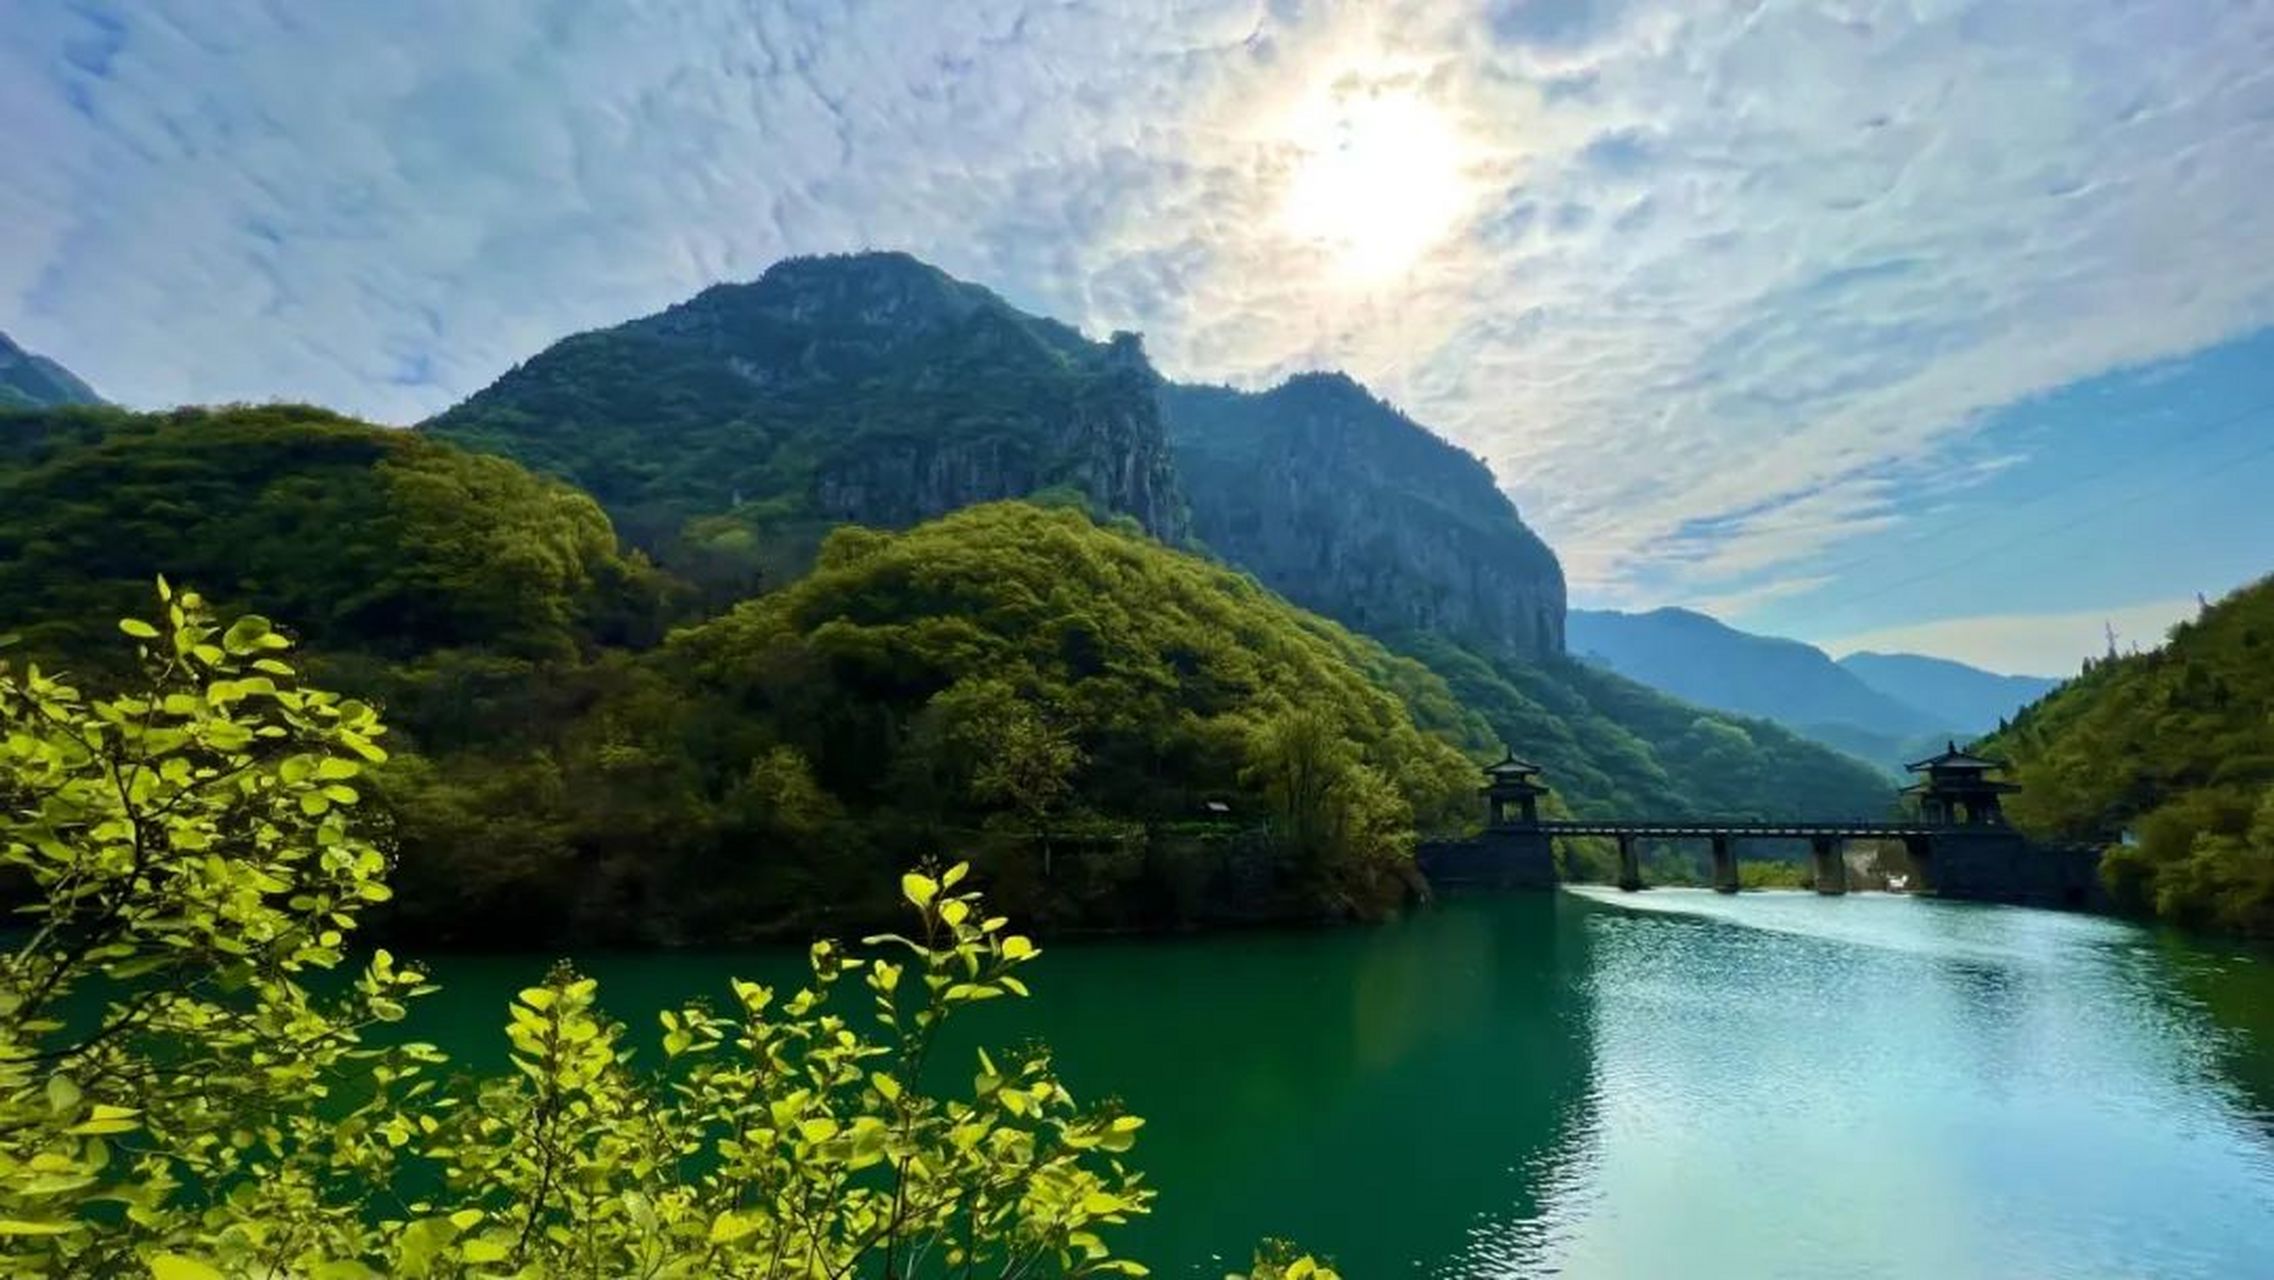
(2028, 643)
(1713, 288)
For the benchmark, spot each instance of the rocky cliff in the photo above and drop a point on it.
(868, 388)
(1346, 506)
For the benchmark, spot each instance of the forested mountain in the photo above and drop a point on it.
(1006, 677)
(1346, 506)
(2177, 746)
(358, 538)
(1068, 680)
(1884, 708)
(1613, 748)
(729, 432)
(29, 381)
(1692, 656)
(1952, 693)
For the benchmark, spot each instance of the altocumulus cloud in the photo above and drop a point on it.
(1711, 286)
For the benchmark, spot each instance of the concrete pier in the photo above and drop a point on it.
(1724, 865)
(1829, 856)
(1630, 865)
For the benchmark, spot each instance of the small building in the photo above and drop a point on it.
(1512, 792)
(1956, 789)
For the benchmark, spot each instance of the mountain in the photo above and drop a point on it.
(1951, 693)
(2175, 746)
(1613, 748)
(731, 433)
(29, 381)
(868, 389)
(1346, 506)
(356, 538)
(1695, 657)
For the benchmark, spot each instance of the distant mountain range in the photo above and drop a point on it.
(29, 381)
(1885, 708)
(1952, 691)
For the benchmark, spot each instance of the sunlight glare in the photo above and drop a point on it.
(1379, 180)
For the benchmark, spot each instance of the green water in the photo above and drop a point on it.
(1667, 1084)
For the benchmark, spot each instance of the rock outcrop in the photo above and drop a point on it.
(868, 388)
(1348, 507)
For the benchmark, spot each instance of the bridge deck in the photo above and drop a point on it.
(1690, 827)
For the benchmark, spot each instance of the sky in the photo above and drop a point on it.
(1933, 324)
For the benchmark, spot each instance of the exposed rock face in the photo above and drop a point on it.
(869, 388)
(29, 381)
(1348, 507)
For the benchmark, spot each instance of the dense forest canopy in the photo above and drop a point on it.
(2177, 746)
(1120, 733)
(367, 539)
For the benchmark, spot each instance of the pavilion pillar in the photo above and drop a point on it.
(1831, 865)
(1724, 865)
(1630, 865)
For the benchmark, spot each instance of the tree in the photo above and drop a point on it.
(189, 854)
(1336, 814)
(172, 1096)
(1019, 758)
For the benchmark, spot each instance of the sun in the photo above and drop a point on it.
(1378, 181)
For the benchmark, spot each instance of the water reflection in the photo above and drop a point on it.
(1881, 1087)
(1667, 1084)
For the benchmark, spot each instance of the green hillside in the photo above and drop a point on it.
(729, 432)
(358, 537)
(1011, 681)
(1614, 748)
(2176, 746)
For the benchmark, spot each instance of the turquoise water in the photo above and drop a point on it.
(1665, 1084)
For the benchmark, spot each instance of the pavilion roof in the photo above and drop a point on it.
(1950, 757)
(1508, 766)
(1975, 786)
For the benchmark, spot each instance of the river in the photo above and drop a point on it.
(1664, 1084)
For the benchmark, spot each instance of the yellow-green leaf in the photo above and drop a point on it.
(729, 1227)
(174, 1266)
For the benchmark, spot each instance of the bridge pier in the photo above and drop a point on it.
(1630, 865)
(1724, 864)
(1831, 864)
(1921, 851)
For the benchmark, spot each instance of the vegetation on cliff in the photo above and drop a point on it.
(728, 433)
(1348, 507)
(2176, 746)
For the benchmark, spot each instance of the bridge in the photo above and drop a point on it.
(1955, 835)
